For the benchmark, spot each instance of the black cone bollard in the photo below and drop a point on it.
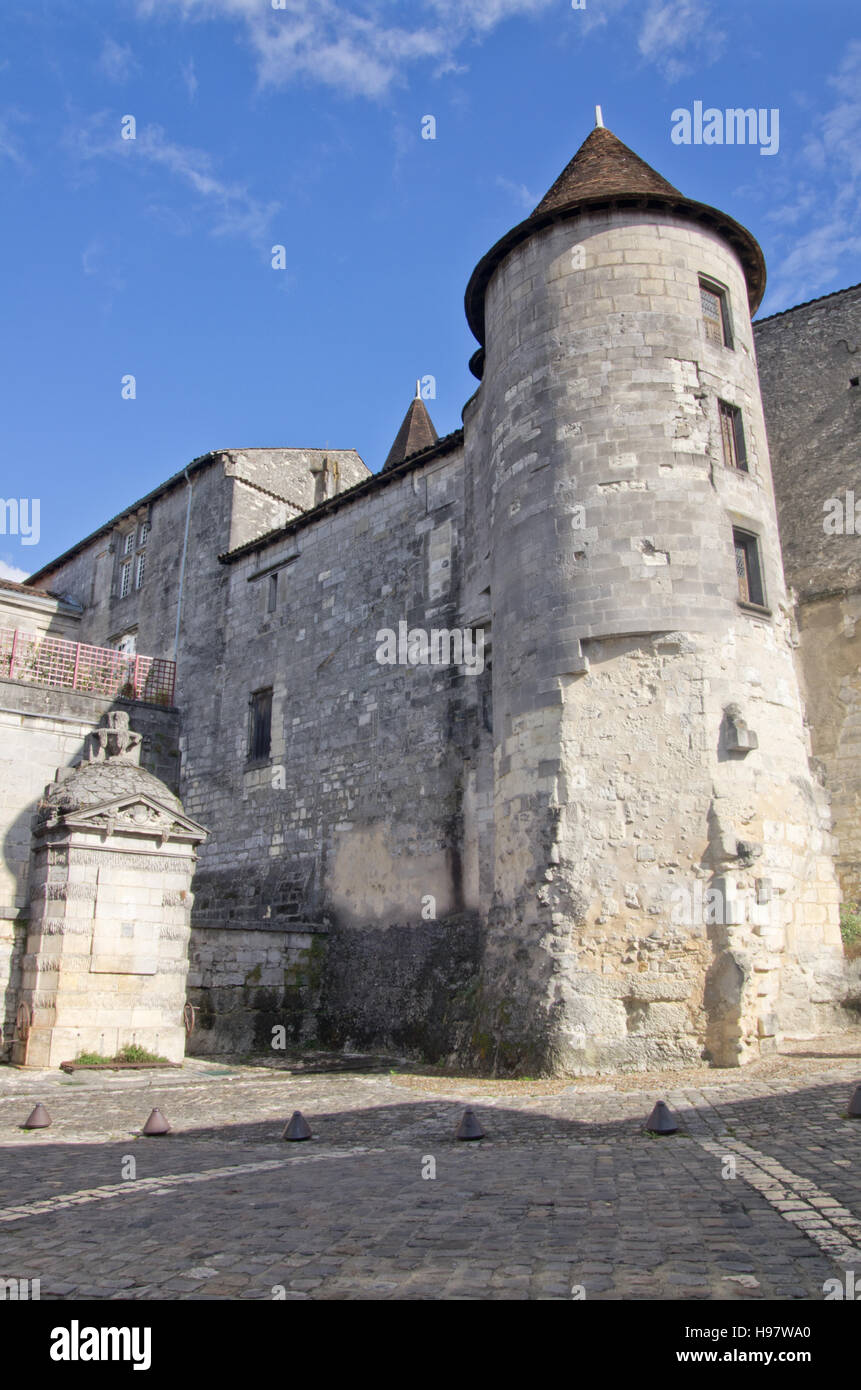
(38, 1118)
(298, 1128)
(662, 1120)
(469, 1128)
(156, 1124)
(854, 1104)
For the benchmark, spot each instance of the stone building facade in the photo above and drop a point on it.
(601, 841)
(810, 370)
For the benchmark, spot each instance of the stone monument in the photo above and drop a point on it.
(107, 950)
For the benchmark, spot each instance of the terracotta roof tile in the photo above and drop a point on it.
(416, 433)
(603, 166)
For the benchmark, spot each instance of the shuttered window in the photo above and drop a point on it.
(732, 436)
(260, 725)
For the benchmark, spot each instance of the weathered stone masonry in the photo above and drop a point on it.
(509, 867)
(810, 368)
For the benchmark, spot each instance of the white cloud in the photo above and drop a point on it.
(189, 77)
(10, 144)
(351, 46)
(98, 264)
(827, 189)
(678, 33)
(116, 61)
(364, 47)
(12, 572)
(519, 192)
(231, 210)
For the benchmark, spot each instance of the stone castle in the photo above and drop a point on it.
(616, 841)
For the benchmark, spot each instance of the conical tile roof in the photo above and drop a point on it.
(416, 433)
(603, 166)
(605, 173)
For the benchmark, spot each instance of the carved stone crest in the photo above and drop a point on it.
(115, 742)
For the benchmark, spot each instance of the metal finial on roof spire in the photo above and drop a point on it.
(418, 388)
(599, 119)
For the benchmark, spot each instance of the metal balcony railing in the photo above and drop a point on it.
(53, 661)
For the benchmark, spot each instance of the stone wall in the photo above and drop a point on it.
(246, 984)
(809, 358)
(364, 827)
(228, 498)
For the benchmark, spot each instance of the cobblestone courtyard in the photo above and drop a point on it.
(566, 1189)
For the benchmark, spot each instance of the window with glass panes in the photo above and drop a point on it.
(715, 309)
(748, 568)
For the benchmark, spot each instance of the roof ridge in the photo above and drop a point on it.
(805, 303)
(349, 494)
(175, 479)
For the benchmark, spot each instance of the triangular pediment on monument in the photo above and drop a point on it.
(135, 814)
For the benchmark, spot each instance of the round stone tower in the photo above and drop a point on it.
(663, 889)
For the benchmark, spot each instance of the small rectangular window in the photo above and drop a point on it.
(260, 725)
(143, 533)
(128, 542)
(125, 579)
(272, 602)
(140, 566)
(748, 568)
(732, 436)
(716, 315)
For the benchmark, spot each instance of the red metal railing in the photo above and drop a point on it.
(31, 656)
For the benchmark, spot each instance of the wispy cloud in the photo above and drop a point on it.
(351, 47)
(97, 264)
(116, 61)
(519, 192)
(11, 147)
(189, 77)
(679, 35)
(232, 211)
(826, 190)
(9, 571)
(357, 49)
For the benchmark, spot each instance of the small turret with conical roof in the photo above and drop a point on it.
(416, 433)
(605, 173)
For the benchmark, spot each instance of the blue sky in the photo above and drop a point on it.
(302, 126)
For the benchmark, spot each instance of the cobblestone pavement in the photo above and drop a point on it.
(566, 1189)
